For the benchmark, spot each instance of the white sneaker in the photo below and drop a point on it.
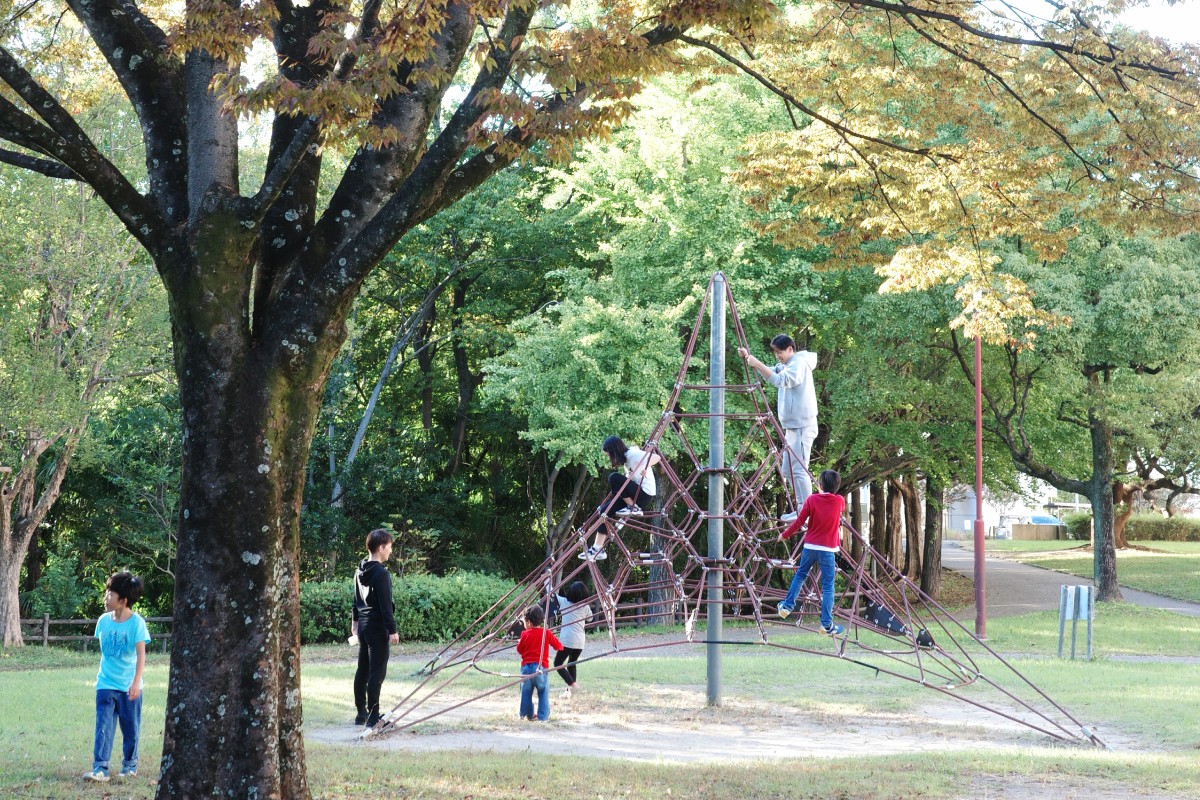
(566, 695)
(629, 511)
(592, 554)
(789, 517)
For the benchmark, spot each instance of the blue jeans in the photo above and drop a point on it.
(541, 682)
(113, 707)
(808, 559)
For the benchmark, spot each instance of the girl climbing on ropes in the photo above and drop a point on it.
(575, 614)
(625, 491)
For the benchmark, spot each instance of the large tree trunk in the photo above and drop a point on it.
(913, 535)
(931, 568)
(1105, 554)
(250, 404)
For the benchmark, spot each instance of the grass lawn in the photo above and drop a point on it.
(1170, 572)
(1021, 546)
(1186, 548)
(47, 744)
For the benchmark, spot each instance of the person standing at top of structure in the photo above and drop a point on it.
(797, 409)
(373, 625)
(625, 491)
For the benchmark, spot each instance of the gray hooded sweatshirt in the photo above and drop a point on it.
(797, 397)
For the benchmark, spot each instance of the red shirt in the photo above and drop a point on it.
(823, 513)
(535, 644)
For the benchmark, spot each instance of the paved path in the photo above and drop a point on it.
(1016, 588)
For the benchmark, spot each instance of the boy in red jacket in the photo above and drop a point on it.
(823, 513)
(534, 650)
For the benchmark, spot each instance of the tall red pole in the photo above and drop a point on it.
(980, 610)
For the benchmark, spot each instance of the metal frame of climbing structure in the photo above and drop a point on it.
(658, 572)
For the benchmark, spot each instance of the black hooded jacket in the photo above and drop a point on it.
(373, 598)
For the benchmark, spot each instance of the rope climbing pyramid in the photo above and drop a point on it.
(709, 551)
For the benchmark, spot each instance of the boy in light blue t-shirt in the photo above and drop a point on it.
(123, 637)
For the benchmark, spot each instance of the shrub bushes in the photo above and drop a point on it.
(1079, 525)
(325, 611)
(1152, 527)
(428, 608)
(1141, 527)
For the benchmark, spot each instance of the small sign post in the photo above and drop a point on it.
(1075, 603)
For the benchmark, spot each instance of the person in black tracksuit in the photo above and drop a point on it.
(374, 624)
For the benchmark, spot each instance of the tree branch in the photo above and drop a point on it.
(905, 11)
(139, 55)
(62, 138)
(793, 100)
(309, 131)
(44, 166)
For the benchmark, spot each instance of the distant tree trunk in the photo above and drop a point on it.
(913, 535)
(1169, 506)
(25, 500)
(1104, 550)
(556, 529)
(879, 518)
(425, 353)
(856, 520)
(1124, 495)
(468, 381)
(931, 567)
(662, 594)
(35, 562)
(895, 523)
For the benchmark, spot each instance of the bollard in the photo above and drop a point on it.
(1075, 603)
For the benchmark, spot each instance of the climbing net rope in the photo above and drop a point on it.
(658, 573)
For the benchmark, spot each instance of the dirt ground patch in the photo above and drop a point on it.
(1023, 787)
(673, 725)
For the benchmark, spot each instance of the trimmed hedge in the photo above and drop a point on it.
(1141, 527)
(1152, 527)
(1079, 525)
(428, 607)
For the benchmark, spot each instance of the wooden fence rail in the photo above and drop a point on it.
(44, 622)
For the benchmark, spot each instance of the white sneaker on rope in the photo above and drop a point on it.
(789, 517)
(629, 511)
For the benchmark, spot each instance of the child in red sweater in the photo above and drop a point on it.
(823, 513)
(534, 650)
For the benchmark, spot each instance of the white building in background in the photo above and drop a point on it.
(1000, 513)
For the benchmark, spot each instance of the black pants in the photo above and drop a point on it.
(569, 655)
(619, 487)
(373, 652)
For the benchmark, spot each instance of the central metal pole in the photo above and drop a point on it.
(980, 583)
(716, 486)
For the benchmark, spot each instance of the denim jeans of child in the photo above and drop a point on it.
(113, 707)
(808, 559)
(541, 682)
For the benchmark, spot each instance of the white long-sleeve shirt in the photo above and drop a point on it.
(797, 395)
